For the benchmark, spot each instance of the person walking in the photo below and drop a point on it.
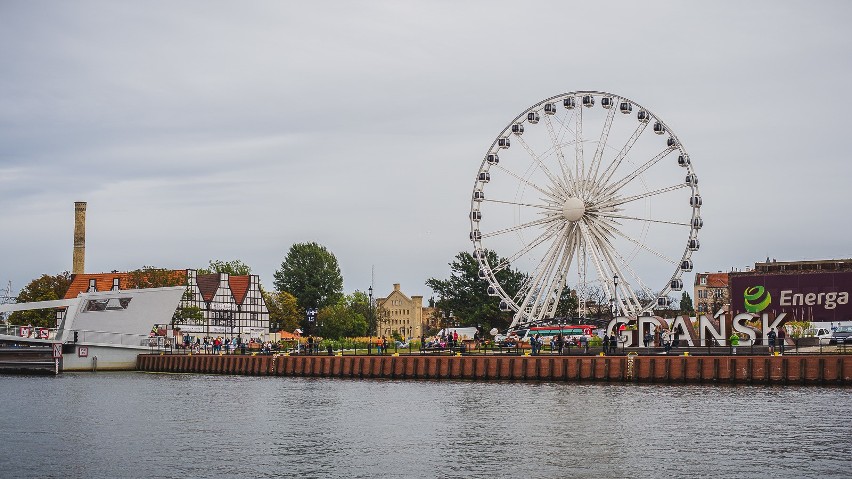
(613, 343)
(606, 344)
(647, 338)
(782, 337)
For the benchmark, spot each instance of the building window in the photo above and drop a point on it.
(92, 285)
(703, 280)
(115, 284)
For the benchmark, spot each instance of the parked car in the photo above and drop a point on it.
(824, 334)
(842, 335)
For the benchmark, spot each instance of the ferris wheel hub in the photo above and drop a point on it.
(573, 209)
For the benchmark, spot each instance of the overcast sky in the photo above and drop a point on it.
(201, 130)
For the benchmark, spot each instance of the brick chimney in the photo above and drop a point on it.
(78, 265)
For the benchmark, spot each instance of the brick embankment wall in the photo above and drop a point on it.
(827, 369)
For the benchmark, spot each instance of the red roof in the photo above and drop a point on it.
(207, 283)
(104, 281)
(239, 287)
(717, 280)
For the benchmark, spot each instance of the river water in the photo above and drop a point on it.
(116, 425)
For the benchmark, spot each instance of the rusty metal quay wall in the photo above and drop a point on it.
(825, 369)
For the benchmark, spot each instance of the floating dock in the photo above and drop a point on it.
(821, 369)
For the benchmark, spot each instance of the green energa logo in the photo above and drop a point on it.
(756, 299)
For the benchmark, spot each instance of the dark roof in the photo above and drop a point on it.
(208, 284)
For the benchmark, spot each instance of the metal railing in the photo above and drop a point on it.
(796, 346)
(30, 332)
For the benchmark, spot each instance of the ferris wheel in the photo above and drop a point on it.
(583, 192)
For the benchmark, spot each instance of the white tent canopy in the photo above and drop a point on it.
(464, 333)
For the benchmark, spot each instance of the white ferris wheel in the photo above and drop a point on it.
(585, 191)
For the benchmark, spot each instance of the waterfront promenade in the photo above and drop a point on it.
(815, 369)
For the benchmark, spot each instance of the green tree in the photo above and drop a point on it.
(234, 268)
(188, 315)
(43, 288)
(465, 294)
(342, 319)
(686, 306)
(284, 311)
(568, 304)
(310, 273)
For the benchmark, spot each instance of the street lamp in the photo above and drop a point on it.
(372, 314)
(615, 296)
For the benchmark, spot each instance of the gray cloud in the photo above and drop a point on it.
(202, 130)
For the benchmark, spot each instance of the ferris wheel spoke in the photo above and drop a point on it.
(578, 149)
(547, 296)
(555, 180)
(638, 171)
(651, 220)
(521, 226)
(548, 233)
(545, 265)
(626, 298)
(532, 185)
(610, 254)
(560, 155)
(645, 247)
(610, 169)
(560, 280)
(596, 160)
(545, 207)
(626, 263)
(592, 246)
(627, 199)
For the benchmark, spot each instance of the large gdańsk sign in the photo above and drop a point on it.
(803, 296)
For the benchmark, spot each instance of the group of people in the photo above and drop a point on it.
(441, 341)
(778, 340)
(218, 344)
(610, 343)
(560, 342)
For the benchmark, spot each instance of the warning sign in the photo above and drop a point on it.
(42, 333)
(57, 350)
(83, 352)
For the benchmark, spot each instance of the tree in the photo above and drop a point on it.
(568, 304)
(598, 305)
(465, 294)
(153, 277)
(342, 319)
(44, 288)
(234, 268)
(310, 273)
(187, 314)
(686, 304)
(284, 311)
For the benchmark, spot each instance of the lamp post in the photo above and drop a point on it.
(372, 314)
(615, 302)
(615, 296)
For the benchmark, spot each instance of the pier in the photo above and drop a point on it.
(28, 360)
(735, 369)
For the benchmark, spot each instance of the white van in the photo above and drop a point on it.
(824, 334)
